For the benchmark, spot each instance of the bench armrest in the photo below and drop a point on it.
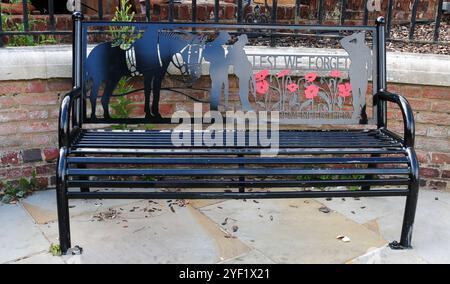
(407, 113)
(67, 104)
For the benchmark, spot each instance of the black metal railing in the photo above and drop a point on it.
(240, 16)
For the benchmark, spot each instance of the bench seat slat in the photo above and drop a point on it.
(234, 161)
(235, 184)
(235, 172)
(236, 195)
(237, 151)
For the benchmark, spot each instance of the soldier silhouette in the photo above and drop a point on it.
(218, 69)
(242, 68)
(359, 71)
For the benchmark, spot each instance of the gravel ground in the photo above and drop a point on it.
(399, 34)
(424, 32)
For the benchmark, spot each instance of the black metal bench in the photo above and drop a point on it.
(375, 159)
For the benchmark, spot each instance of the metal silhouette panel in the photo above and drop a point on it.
(307, 86)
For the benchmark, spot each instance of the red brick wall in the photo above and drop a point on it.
(29, 112)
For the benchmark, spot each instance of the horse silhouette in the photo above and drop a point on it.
(151, 54)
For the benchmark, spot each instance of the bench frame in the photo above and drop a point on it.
(71, 124)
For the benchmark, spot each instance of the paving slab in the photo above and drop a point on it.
(365, 209)
(293, 231)
(19, 235)
(136, 235)
(42, 205)
(431, 234)
(386, 255)
(40, 258)
(253, 257)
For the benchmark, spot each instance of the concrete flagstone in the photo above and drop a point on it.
(253, 257)
(185, 236)
(431, 235)
(384, 215)
(363, 210)
(232, 231)
(385, 255)
(41, 258)
(42, 206)
(293, 231)
(19, 235)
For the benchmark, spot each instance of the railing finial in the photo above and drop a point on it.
(381, 20)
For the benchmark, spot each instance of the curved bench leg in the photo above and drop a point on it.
(411, 204)
(62, 202)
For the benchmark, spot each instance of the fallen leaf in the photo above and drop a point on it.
(343, 238)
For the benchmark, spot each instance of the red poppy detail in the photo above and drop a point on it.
(310, 77)
(292, 87)
(335, 73)
(345, 90)
(261, 75)
(283, 73)
(311, 91)
(262, 87)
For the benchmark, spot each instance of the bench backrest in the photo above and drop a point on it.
(309, 74)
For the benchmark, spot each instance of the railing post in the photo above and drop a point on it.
(100, 9)
(389, 18)
(381, 71)
(297, 11)
(273, 21)
(438, 20)
(216, 11)
(194, 11)
(171, 7)
(147, 10)
(51, 12)
(366, 13)
(320, 13)
(239, 11)
(343, 12)
(412, 27)
(26, 25)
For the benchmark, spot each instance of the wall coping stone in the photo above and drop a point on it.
(55, 61)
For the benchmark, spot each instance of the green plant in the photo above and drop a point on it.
(26, 40)
(16, 190)
(149, 126)
(5, 19)
(332, 177)
(124, 36)
(21, 40)
(55, 250)
(122, 106)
